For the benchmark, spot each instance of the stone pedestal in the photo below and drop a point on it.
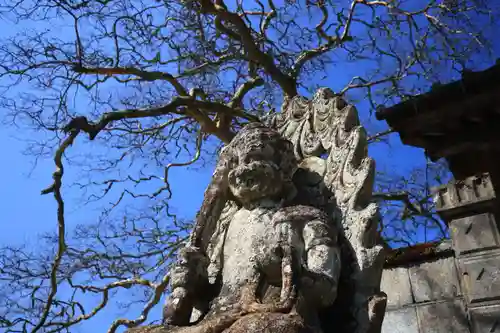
(470, 206)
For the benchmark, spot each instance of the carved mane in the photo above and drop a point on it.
(331, 148)
(327, 135)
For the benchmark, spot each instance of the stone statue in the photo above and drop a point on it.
(285, 240)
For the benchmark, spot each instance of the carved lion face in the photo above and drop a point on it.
(255, 180)
(264, 164)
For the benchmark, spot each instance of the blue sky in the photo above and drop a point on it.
(27, 214)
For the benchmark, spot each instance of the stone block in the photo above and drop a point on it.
(481, 278)
(461, 198)
(474, 233)
(486, 319)
(400, 321)
(443, 317)
(396, 284)
(473, 189)
(435, 280)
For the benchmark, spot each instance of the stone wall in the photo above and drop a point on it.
(425, 296)
(455, 288)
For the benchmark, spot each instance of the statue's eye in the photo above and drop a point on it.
(248, 158)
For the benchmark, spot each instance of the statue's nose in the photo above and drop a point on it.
(250, 156)
(247, 159)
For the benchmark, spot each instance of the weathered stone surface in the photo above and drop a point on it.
(266, 242)
(327, 125)
(435, 280)
(474, 189)
(467, 205)
(474, 233)
(486, 319)
(443, 317)
(481, 278)
(418, 253)
(270, 323)
(396, 284)
(401, 321)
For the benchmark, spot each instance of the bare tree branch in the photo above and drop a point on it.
(164, 84)
(61, 225)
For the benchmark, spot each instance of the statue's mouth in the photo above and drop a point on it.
(253, 174)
